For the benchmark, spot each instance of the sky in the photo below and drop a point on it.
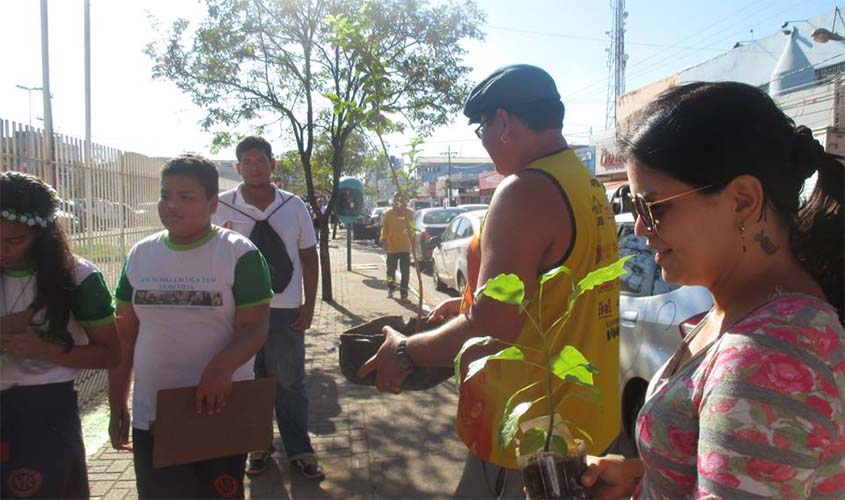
(133, 112)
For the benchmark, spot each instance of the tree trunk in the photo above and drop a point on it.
(325, 259)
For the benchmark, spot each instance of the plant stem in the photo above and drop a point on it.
(551, 403)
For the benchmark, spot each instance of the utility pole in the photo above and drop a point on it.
(616, 61)
(449, 153)
(49, 149)
(29, 92)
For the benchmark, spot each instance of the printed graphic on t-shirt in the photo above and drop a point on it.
(178, 298)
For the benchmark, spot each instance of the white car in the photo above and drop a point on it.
(449, 267)
(654, 316)
(474, 206)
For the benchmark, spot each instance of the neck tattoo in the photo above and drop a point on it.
(766, 244)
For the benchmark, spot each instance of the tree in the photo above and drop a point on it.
(297, 62)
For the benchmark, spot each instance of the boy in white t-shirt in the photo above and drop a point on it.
(193, 309)
(279, 224)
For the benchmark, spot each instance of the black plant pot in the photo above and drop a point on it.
(359, 344)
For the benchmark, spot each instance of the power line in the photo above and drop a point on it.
(596, 39)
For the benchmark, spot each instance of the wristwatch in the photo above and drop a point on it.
(403, 359)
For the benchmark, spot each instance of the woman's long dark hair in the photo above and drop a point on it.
(50, 252)
(709, 133)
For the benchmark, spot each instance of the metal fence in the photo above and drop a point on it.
(108, 204)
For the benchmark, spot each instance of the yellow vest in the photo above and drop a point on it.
(394, 230)
(593, 328)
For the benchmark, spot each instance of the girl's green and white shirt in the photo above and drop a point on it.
(90, 305)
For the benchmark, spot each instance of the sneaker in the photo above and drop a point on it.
(257, 462)
(390, 294)
(309, 467)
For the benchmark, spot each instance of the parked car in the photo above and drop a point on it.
(377, 215)
(430, 222)
(473, 206)
(376, 220)
(654, 316)
(419, 204)
(449, 257)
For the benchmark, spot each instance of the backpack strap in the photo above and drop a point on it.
(235, 196)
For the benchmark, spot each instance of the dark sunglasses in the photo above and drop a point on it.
(642, 207)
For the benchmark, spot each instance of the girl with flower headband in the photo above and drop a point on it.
(57, 317)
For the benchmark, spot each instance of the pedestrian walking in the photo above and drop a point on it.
(279, 224)
(396, 241)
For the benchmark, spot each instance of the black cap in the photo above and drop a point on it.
(510, 87)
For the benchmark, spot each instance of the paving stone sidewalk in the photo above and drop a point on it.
(371, 445)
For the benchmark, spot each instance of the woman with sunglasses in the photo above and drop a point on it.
(753, 402)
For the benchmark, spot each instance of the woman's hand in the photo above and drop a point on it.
(611, 476)
(28, 345)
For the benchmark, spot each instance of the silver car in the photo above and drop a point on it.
(449, 266)
(429, 223)
(654, 316)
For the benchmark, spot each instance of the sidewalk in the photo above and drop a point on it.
(370, 445)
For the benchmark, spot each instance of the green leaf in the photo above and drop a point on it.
(603, 275)
(554, 272)
(506, 288)
(572, 366)
(512, 353)
(533, 440)
(511, 424)
(479, 341)
(558, 444)
(599, 276)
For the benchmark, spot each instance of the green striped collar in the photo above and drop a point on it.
(189, 246)
(18, 273)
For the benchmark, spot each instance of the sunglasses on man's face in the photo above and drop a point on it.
(642, 207)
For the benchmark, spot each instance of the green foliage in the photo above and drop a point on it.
(475, 341)
(572, 366)
(511, 353)
(507, 288)
(569, 366)
(322, 70)
(511, 423)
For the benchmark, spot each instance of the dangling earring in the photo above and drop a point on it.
(504, 138)
(742, 236)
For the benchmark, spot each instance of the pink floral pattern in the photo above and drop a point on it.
(760, 412)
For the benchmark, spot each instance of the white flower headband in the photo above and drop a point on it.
(27, 218)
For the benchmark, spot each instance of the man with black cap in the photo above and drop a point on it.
(549, 211)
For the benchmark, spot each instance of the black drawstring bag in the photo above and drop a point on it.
(271, 246)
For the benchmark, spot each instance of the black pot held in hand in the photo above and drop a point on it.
(361, 343)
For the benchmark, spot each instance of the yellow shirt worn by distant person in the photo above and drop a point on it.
(593, 328)
(394, 230)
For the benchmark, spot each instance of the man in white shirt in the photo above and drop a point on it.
(280, 226)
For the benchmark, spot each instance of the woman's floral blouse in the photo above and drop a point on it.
(758, 413)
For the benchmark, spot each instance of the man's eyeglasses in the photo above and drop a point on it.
(642, 207)
(479, 130)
